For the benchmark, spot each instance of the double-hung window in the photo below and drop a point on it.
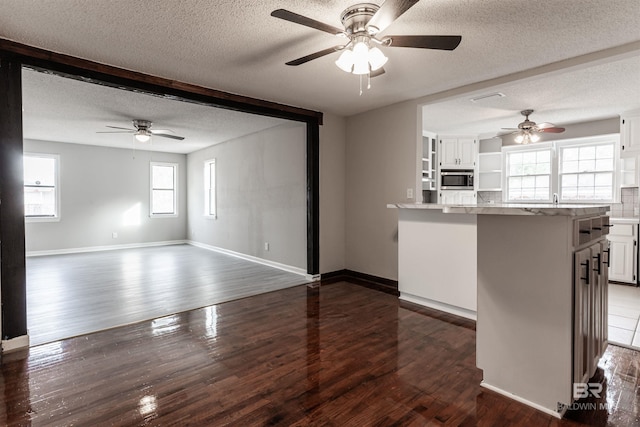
(41, 187)
(210, 188)
(164, 180)
(586, 172)
(529, 175)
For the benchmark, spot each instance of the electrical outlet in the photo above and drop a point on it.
(266, 246)
(409, 193)
(114, 235)
(636, 210)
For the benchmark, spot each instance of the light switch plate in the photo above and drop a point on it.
(409, 193)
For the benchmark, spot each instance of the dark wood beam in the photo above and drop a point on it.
(12, 246)
(94, 72)
(313, 199)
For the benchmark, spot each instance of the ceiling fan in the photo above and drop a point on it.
(527, 131)
(143, 132)
(362, 24)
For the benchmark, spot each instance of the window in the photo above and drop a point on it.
(586, 172)
(529, 175)
(578, 170)
(210, 188)
(41, 190)
(163, 189)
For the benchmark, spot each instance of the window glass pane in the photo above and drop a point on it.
(569, 193)
(569, 154)
(528, 194)
(569, 166)
(586, 165)
(39, 171)
(543, 168)
(604, 164)
(586, 180)
(542, 193)
(603, 193)
(585, 193)
(604, 179)
(542, 181)
(569, 180)
(515, 169)
(39, 201)
(515, 158)
(529, 157)
(515, 193)
(604, 151)
(212, 202)
(515, 182)
(163, 177)
(529, 182)
(543, 156)
(163, 202)
(587, 153)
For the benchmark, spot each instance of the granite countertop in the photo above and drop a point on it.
(548, 209)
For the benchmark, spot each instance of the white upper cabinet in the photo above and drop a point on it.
(630, 134)
(458, 152)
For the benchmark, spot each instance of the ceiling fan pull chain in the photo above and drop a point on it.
(360, 84)
(368, 80)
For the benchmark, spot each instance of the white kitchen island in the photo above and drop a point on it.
(541, 317)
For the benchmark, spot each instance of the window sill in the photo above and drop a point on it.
(163, 215)
(29, 219)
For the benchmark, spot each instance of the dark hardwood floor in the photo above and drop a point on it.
(330, 355)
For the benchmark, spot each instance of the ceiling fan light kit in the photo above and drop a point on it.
(362, 22)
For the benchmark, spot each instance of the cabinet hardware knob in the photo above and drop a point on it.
(597, 257)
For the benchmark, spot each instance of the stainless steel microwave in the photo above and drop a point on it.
(456, 179)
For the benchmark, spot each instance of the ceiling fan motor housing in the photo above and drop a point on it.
(142, 124)
(356, 17)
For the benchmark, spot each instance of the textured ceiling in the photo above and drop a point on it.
(236, 46)
(65, 110)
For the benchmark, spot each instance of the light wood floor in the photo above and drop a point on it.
(70, 295)
(334, 355)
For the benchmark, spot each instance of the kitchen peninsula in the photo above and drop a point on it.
(541, 317)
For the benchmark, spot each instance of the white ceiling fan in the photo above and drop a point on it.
(143, 131)
(527, 131)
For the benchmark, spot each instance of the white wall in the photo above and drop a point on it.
(332, 193)
(381, 165)
(261, 195)
(105, 190)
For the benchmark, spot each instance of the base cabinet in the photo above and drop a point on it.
(623, 242)
(590, 309)
(458, 197)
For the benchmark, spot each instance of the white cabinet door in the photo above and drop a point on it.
(467, 197)
(458, 197)
(621, 260)
(467, 153)
(458, 152)
(448, 153)
(630, 134)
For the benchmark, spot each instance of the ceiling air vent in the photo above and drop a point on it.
(487, 96)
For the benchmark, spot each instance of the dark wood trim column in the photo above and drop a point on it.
(313, 198)
(12, 246)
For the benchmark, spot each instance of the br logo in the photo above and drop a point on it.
(581, 390)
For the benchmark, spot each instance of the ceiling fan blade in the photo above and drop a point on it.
(164, 135)
(507, 133)
(307, 22)
(426, 42)
(380, 71)
(315, 55)
(511, 129)
(551, 130)
(118, 127)
(389, 12)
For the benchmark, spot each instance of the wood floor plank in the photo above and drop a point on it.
(75, 294)
(339, 354)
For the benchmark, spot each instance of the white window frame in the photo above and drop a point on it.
(175, 190)
(556, 147)
(528, 148)
(591, 141)
(210, 191)
(56, 217)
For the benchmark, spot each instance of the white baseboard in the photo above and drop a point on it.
(451, 309)
(104, 248)
(274, 264)
(16, 343)
(522, 400)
